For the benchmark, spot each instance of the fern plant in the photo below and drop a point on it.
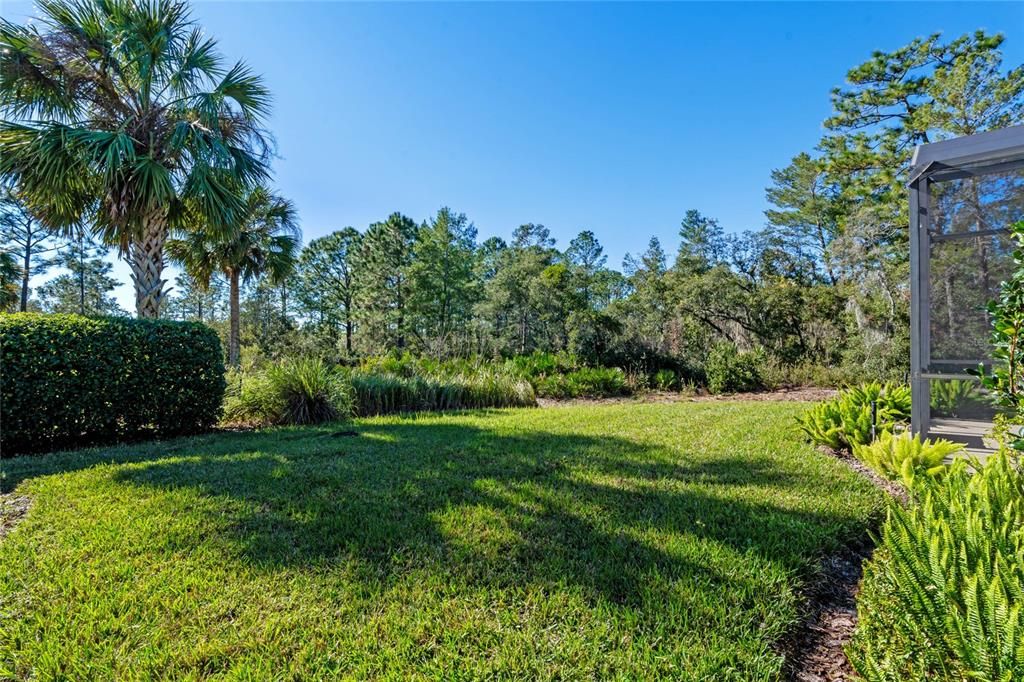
(905, 457)
(846, 420)
(949, 397)
(942, 597)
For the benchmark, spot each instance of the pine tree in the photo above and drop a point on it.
(325, 284)
(26, 240)
(192, 300)
(513, 293)
(10, 276)
(586, 257)
(382, 272)
(441, 277)
(806, 213)
(87, 286)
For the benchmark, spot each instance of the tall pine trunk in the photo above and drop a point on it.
(81, 273)
(146, 260)
(348, 325)
(25, 274)
(234, 337)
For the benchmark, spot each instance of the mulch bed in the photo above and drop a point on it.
(12, 509)
(816, 652)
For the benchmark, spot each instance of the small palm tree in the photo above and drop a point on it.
(264, 243)
(120, 114)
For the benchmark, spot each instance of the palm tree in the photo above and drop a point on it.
(265, 242)
(120, 114)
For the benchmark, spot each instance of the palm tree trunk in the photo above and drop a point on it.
(146, 259)
(234, 338)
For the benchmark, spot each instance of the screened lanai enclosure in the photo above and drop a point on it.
(964, 195)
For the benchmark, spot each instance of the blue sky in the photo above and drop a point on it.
(609, 117)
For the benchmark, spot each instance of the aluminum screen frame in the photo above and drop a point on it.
(971, 156)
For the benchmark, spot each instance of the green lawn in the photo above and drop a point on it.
(622, 541)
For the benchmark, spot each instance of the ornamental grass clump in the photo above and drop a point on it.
(376, 394)
(943, 596)
(303, 391)
(846, 420)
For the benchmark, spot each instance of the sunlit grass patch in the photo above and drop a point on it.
(629, 541)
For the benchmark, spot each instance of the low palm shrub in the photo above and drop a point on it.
(300, 391)
(538, 365)
(586, 382)
(666, 380)
(845, 421)
(942, 597)
(905, 456)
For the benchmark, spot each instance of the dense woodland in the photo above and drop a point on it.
(819, 292)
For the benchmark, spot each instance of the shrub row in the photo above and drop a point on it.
(387, 393)
(564, 375)
(70, 380)
(308, 391)
(942, 597)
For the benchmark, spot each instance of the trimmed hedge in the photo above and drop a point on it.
(67, 380)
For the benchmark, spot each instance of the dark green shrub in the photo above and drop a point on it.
(636, 358)
(300, 391)
(69, 380)
(730, 371)
(941, 598)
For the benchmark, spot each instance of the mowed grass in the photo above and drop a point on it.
(606, 542)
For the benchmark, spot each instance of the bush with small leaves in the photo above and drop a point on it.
(67, 380)
(730, 371)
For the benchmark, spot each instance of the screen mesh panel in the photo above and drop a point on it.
(964, 276)
(973, 204)
(970, 255)
(960, 399)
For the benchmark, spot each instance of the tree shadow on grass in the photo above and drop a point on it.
(486, 507)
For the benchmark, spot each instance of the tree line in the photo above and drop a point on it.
(157, 148)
